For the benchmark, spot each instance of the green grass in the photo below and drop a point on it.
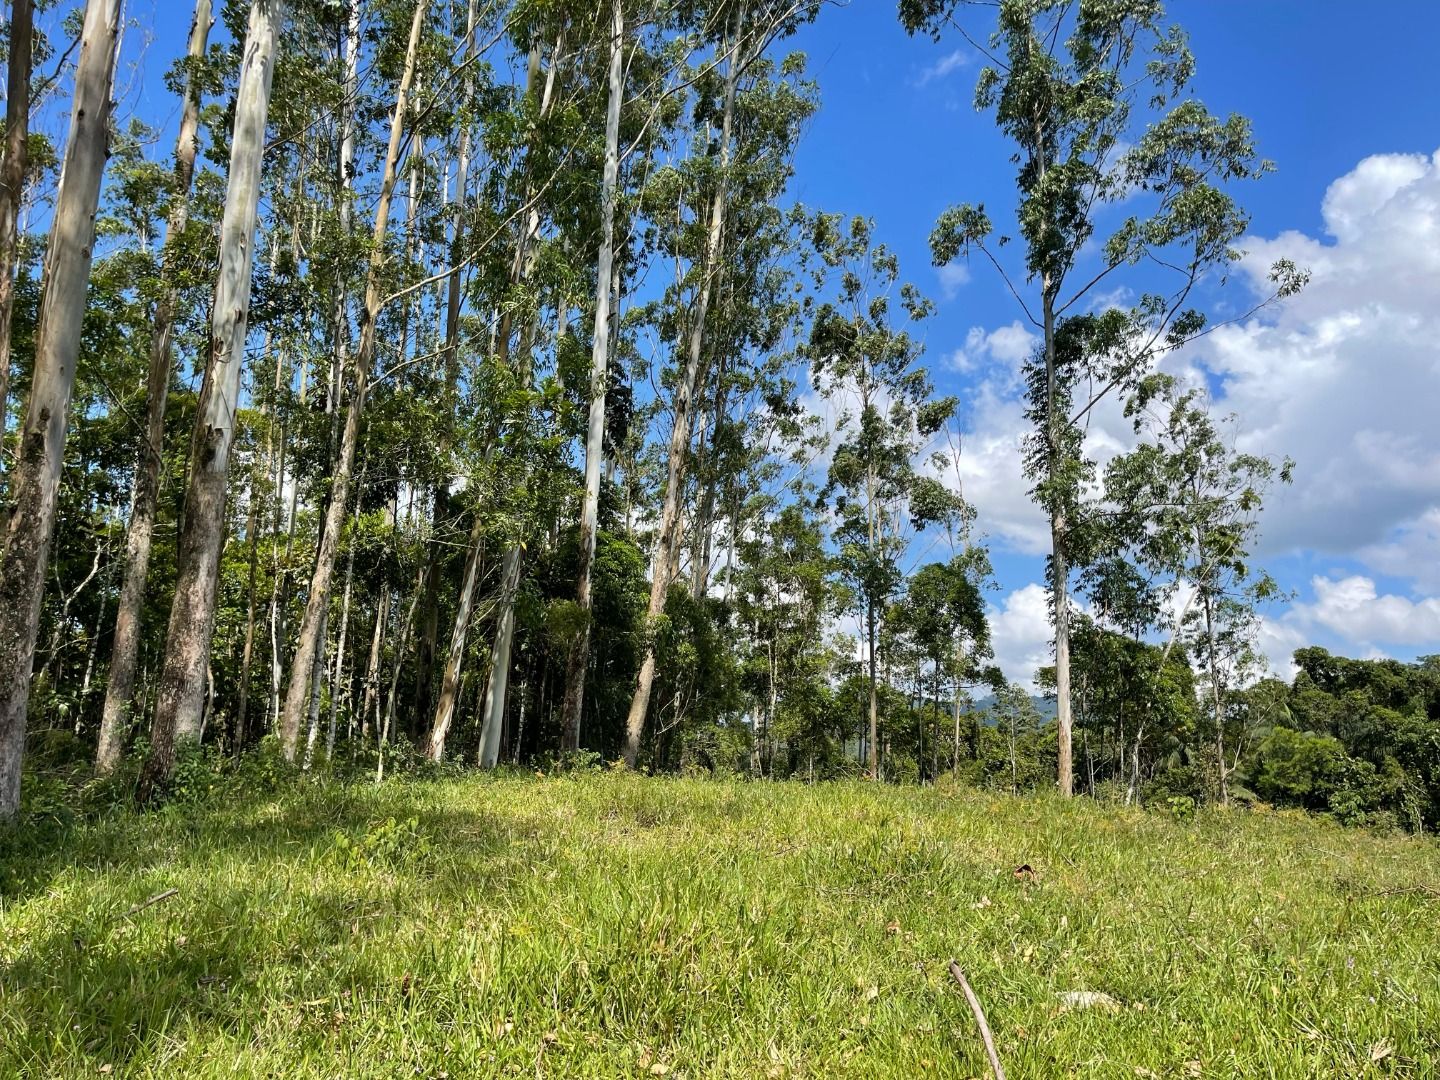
(614, 926)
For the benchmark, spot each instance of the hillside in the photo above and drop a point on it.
(607, 926)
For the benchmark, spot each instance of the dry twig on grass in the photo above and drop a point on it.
(974, 1003)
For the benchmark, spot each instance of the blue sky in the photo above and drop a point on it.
(898, 139)
(1346, 379)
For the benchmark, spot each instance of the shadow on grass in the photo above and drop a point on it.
(270, 902)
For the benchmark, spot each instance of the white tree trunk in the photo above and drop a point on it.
(579, 658)
(36, 481)
(120, 689)
(180, 697)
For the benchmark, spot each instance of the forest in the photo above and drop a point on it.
(463, 384)
(492, 581)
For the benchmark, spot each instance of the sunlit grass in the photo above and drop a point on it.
(615, 926)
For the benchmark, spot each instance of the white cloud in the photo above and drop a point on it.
(946, 65)
(953, 276)
(1412, 550)
(1353, 609)
(1020, 632)
(1343, 376)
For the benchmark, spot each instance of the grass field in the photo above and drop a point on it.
(603, 926)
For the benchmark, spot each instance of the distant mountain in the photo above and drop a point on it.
(1046, 707)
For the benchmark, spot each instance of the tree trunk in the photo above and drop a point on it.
(493, 709)
(1059, 564)
(450, 682)
(684, 396)
(120, 691)
(874, 748)
(33, 494)
(12, 180)
(605, 288)
(318, 598)
(180, 697)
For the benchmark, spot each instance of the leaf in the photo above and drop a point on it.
(1381, 1050)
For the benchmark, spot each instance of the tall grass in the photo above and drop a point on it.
(609, 926)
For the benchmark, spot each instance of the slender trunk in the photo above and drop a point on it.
(372, 668)
(400, 645)
(120, 691)
(12, 181)
(318, 598)
(521, 267)
(247, 652)
(180, 698)
(337, 679)
(1059, 564)
(36, 481)
(668, 538)
(874, 747)
(493, 709)
(606, 288)
(440, 502)
(450, 682)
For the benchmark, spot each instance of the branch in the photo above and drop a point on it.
(979, 1013)
(148, 903)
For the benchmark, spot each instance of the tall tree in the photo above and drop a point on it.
(869, 369)
(57, 346)
(605, 283)
(667, 540)
(297, 695)
(12, 176)
(181, 692)
(120, 689)
(1095, 97)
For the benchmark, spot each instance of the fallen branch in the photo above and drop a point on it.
(975, 1008)
(153, 900)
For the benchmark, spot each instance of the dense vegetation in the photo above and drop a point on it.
(471, 389)
(599, 926)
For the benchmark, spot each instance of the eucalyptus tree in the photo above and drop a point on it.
(1096, 97)
(298, 693)
(1194, 502)
(868, 370)
(748, 30)
(942, 613)
(526, 265)
(36, 479)
(181, 691)
(13, 171)
(120, 686)
(606, 281)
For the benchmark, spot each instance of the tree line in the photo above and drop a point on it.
(466, 384)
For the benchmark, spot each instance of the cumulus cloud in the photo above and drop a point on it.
(1020, 633)
(1354, 609)
(1411, 550)
(1343, 376)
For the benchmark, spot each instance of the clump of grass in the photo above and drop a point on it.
(603, 925)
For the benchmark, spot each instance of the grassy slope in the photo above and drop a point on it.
(612, 926)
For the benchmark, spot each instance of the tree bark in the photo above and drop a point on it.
(318, 598)
(450, 682)
(605, 286)
(57, 346)
(684, 397)
(120, 690)
(12, 180)
(180, 698)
